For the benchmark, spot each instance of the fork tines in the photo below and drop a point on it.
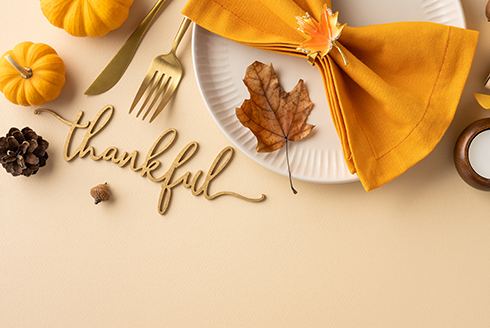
(157, 88)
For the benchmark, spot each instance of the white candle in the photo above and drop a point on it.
(479, 154)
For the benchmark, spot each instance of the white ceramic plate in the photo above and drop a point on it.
(220, 66)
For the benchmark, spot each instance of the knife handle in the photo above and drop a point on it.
(143, 27)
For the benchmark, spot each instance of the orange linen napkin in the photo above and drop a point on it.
(394, 100)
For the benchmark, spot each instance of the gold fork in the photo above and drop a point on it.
(162, 78)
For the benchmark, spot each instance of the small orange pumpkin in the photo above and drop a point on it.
(82, 18)
(31, 74)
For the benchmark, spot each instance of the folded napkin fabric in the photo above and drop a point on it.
(393, 101)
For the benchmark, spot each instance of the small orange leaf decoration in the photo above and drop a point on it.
(322, 35)
(274, 116)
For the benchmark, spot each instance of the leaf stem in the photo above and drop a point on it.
(289, 167)
(341, 53)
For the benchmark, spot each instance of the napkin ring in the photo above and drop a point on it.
(322, 35)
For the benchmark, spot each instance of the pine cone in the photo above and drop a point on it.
(23, 152)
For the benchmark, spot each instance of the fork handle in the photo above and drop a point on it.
(180, 34)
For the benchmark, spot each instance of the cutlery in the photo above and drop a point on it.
(111, 74)
(162, 78)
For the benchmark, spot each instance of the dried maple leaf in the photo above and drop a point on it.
(322, 35)
(274, 116)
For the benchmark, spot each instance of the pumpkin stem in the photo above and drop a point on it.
(25, 72)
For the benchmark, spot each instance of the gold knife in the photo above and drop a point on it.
(111, 74)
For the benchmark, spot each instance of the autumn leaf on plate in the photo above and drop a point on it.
(322, 34)
(274, 116)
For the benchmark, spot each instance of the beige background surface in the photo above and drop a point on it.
(414, 253)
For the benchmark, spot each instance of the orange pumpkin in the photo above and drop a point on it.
(92, 18)
(31, 74)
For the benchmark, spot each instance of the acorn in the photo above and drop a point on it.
(100, 193)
